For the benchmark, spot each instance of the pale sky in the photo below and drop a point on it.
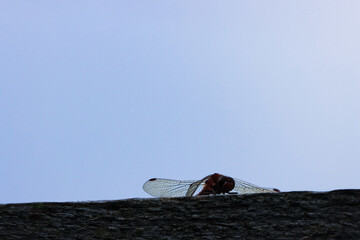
(96, 97)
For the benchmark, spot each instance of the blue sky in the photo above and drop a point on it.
(96, 97)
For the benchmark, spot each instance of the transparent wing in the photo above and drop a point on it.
(161, 187)
(194, 187)
(242, 187)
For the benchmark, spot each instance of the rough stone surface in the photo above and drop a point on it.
(288, 215)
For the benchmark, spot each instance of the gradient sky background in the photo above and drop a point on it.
(96, 97)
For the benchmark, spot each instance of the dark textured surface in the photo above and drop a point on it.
(291, 215)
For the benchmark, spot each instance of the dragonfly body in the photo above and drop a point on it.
(212, 184)
(217, 184)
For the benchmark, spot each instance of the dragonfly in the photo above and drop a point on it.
(212, 184)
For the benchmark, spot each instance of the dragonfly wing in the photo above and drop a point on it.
(195, 186)
(161, 187)
(242, 187)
